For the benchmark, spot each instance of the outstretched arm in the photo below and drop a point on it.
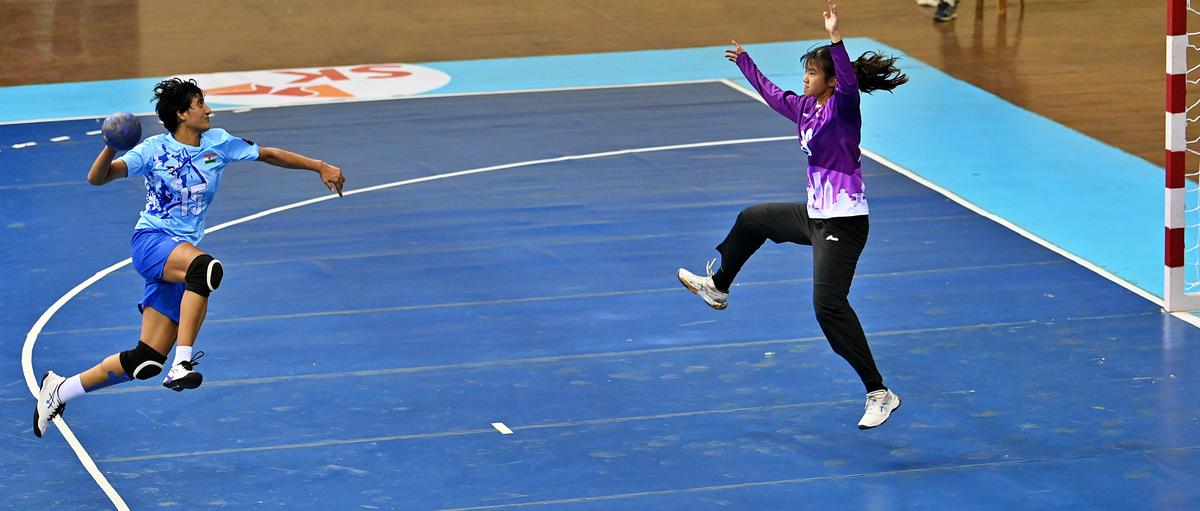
(330, 175)
(105, 170)
(787, 103)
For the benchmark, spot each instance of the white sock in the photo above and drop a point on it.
(182, 354)
(70, 389)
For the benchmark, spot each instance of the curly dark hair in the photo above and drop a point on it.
(874, 70)
(173, 96)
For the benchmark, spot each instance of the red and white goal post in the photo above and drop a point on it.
(1181, 290)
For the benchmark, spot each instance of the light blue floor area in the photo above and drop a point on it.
(360, 348)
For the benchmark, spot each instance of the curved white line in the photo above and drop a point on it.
(31, 337)
(27, 368)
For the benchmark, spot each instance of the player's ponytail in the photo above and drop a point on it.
(876, 71)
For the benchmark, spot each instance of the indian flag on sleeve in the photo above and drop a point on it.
(210, 158)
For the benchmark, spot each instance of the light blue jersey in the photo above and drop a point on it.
(181, 180)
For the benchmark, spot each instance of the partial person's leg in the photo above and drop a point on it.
(837, 245)
(143, 361)
(777, 221)
(158, 334)
(201, 274)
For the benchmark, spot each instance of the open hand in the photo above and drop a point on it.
(831, 17)
(732, 55)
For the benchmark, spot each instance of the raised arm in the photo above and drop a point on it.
(104, 170)
(330, 175)
(847, 81)
(787, 103)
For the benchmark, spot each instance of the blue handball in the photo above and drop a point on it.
(121, 131)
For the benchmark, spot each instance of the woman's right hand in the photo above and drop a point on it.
(105, 169)
(732, 55)
(831, 22)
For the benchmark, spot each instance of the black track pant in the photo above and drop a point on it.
(836, 243)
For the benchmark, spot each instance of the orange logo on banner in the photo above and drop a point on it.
(359, 81)
(319, 91)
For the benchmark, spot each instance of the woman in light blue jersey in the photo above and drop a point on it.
(834, 218)
(182, 170)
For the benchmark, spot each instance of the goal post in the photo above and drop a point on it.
(1181, 289)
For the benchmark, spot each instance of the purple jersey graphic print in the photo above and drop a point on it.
(829, 135)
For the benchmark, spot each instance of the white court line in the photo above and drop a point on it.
(32, 336)
(63, 138)
(1029, 235)
(1188, 317)
(27, 369)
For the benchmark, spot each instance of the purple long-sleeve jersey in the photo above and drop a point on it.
(829, 135)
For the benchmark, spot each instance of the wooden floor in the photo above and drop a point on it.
(1049, 56)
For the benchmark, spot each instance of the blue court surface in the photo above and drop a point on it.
(361, 348)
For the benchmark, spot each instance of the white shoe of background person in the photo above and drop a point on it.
(946, 10)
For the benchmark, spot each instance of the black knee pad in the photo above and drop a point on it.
(204, 275)
(142, 362)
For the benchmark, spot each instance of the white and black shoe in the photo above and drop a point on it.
(704, 287)
(880, 405)
(182, 376)
(946, 11)
(49, 405)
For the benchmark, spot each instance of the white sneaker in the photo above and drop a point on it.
(49, 405)
(181, 376)
(704, 287)
(927, 3)
(880, 405)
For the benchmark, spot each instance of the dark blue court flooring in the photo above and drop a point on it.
(360, 348)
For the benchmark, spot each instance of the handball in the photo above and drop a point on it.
(121, 131)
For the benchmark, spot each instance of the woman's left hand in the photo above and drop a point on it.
(732, 55)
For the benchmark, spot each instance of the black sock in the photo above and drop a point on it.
(721, 283)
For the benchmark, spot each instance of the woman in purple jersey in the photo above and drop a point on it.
(834, 219)
(182, 170)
